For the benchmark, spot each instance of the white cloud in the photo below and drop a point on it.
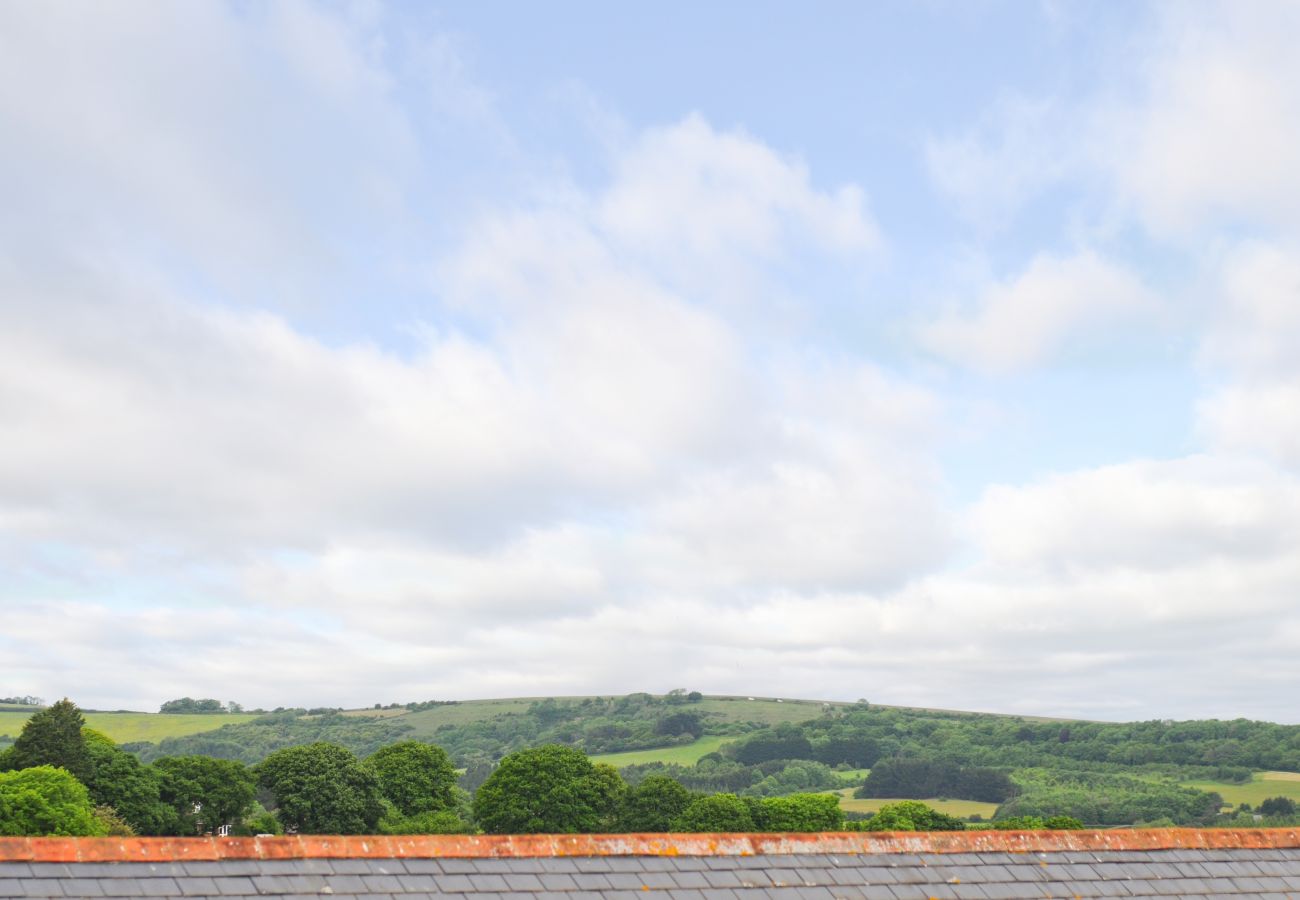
(555, 453)
(1053, 304)
(1020, 147)
(1211, 139)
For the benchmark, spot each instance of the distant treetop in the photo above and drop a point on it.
(190, 706)
(21, 701)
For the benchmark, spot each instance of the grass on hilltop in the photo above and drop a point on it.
(682, 754)
(1261, 786)
(962, 809)
(126, 727)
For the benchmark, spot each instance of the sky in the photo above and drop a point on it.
(933, 353)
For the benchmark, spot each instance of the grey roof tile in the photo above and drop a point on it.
(289, 884)
(815, 893)
(591, 881)
(1013, 890)
(523, 881)
(455, 883)
(557, 881)
(623, 894)
(690, 880)
(625, 881)
(723, 878)
(197, 885)
(82, 887)
(489, 884)
(910, 875)
(592, 864)
(687, 894)
(234, 885)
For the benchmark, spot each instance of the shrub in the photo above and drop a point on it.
(44, 801)
(551, 789)
(716, 812)
(910, 815)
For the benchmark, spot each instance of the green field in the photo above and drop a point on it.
(1262, 786)
(683, 754)
(127, 727)
(963, 809)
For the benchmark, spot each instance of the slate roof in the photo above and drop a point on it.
(982, 865)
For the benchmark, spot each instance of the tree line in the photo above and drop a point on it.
(62, 778)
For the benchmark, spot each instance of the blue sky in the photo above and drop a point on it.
(936, 353)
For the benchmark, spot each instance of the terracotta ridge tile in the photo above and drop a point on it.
(162, 849)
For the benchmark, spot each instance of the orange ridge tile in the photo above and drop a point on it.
(155, 849)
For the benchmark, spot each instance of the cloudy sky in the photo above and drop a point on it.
(933, 353)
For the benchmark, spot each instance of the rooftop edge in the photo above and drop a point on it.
(162, 849)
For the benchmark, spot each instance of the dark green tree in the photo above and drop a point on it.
(52, 737)
(43, 800)
(716, 812)
(190, 706)
(550, 789)
(653, 804)
(912, 815)
(118, 780)
(415, 777)
(800, 812)
(223, 791)
(321, 788)
(1277, 806)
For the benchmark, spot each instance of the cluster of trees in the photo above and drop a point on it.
(903, 777)
(254, 741)
(206, 706)
(1103, 774)
(1105, 799)
(25, 700)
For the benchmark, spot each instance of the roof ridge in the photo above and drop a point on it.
(164, 849)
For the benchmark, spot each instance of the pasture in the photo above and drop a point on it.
(963, 809)
(1261, 786)
(683, 754)
(126, 727)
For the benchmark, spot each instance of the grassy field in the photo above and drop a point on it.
(684, 754)
(126, 727)
(1262, 786)
(961, 808)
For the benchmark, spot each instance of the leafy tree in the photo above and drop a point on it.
(415, 777)
(548, 789)
(223, 791)
(476, 772)
(716, 812)
(118, 781)
(190, 706)
(1277, 806)
(44, 800)
(800, 812)
(321, 789)
(911, 815)
(442, 821)
(783, 742)
(653, 804)
(113, 825)
(681, 723)
(259, 821)
(1033, 823)
(904, 777)
(52, 737)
